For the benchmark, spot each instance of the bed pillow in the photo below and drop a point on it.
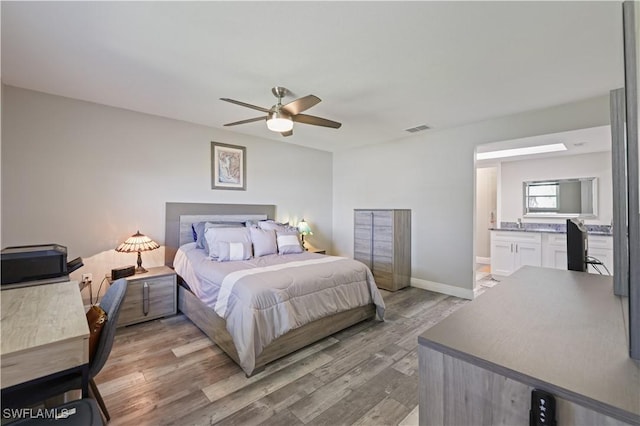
(264, 242)
(288, 242)
(233, 251)
(199, 228)
(230, 235)
(272, 225)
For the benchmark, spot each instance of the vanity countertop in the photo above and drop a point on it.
(549, 231)
(550, 228)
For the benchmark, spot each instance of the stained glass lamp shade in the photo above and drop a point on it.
(138, 243)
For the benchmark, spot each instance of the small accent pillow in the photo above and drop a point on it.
(288, 242)
(231, 235)
(233, 251)
(264, 242)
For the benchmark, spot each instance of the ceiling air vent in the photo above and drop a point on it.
(417, 128)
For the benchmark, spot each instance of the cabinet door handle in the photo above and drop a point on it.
(511, 247)
(371, 261)
(145, 298)
(516, 248)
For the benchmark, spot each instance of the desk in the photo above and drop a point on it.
(560, 331)
(44, 332)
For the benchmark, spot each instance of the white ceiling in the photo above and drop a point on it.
(379, 67)
(581, 141)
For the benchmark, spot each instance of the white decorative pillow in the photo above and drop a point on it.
(264, 242)
(233, 251)
(230, 235)
(288, 242)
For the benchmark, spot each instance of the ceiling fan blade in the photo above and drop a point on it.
(249, 120)
(301, 104)
(316, 121)
(289, 133)
(244, 104)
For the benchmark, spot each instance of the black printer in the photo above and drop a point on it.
(37, 264)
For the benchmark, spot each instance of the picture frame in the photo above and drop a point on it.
(228, 166)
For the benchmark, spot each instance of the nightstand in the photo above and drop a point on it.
(150, 295)
(316, 250)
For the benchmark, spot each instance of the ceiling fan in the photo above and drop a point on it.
(280, 117)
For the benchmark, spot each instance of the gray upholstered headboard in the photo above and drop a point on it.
(180, 216)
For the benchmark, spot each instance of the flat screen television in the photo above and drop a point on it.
(576, 246)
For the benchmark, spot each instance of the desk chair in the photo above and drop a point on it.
(111, 303)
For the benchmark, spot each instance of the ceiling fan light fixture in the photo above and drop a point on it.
(278, 122)
(280, 118)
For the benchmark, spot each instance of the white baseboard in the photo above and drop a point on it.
(483, 260)
(465, 293)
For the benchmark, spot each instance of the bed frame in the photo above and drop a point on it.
(179, 217)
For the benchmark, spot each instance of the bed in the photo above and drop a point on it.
(300, 298)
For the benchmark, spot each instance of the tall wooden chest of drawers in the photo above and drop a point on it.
(382, 241)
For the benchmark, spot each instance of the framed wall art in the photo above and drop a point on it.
(228, 166)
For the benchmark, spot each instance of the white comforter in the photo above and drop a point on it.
(264, 298)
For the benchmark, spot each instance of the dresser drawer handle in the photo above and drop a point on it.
(145, 298)
(371, 257)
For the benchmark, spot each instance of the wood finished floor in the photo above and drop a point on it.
(167, 372)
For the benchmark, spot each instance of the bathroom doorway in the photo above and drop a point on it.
(486, 217)
(503, 167)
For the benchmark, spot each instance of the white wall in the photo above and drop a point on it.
(597, 164)
(87, 176)
(486, 209)
(433, 174)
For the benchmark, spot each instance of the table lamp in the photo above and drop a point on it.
(138, 242)
(304, 229)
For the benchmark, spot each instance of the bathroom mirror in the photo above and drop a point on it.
(561, 198)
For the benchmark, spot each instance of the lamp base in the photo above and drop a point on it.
(140, 270)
